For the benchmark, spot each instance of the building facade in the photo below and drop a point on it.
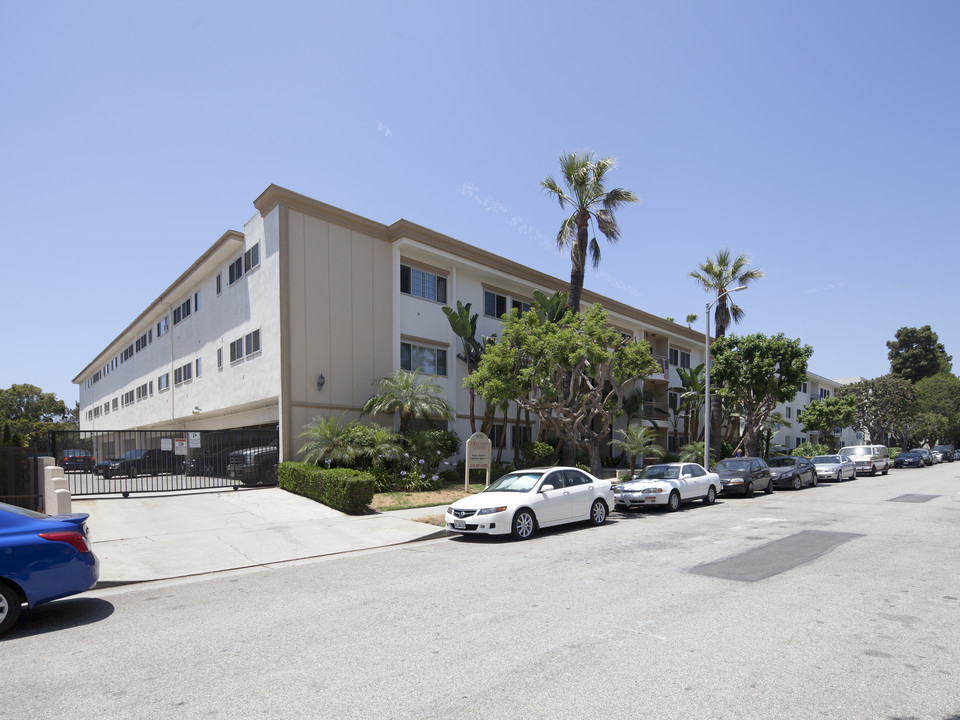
(298, 315)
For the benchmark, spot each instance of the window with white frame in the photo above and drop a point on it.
(429, 360)
(496, 436)
(673, 356)
(182, 312)
(163, 326)
(236, 350)
(787, 410)
(235, 271)
(183, 374)
(494, 304)
(423, 284)
(163, 382)
(220, 358)
(251, 258)
(251, 342)
(198, 367)
(219, 283)
(521, 436)
(684, 359)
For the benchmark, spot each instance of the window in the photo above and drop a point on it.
(181, 313)
(144, 340)
(423, 284)
(494, 305)
(251, 258)
(684, 359)
(673, 356)
(114, 403)
(824, 393)
(496, 436)
(252, 342)
(163, 382)
(219, 283)
(163, 326)
(143, 391)
(236, 350)
(196, 301)
(521, 436)
(673, 400)
(429, 360)
(106, 408)
(679, 357)
(126, 354)
(787, 412)
(520, 306)
(220, 358)
(127, 398)
(802, 388)
(235, 270)
(198, 367)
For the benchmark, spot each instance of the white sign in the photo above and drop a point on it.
(180, 446)
(479, 450)
(166, 444)
(193, 439)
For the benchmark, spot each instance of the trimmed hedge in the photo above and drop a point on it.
(349, 491)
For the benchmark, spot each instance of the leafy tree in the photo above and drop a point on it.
(930, 427)
(940, 394)
(586, 194)
(756, 373)
(884, 404)
(718, 276)
(347, 444)
(916, 353)
(690, 396)
(637, 441)
(809, 450)
(822, 416)
(692, 452)
(409, 395)
(572, 374)
(32, 413)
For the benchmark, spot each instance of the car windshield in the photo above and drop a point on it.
(826, 459)
(735, 465)
(856, 451)
(515, 482)
(782, 462)
(660, 472)
(909, 453)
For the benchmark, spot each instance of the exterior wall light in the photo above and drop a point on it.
(321, 381)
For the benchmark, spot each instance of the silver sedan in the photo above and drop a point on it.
(834, 467)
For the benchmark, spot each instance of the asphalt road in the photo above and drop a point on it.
(831, 602)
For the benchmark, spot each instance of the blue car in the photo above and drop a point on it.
(42, 558)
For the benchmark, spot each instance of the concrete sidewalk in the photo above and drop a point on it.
(159, 537)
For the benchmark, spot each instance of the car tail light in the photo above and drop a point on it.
(71, 538)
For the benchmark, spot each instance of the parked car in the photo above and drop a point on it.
(834, 467)
(744, 475)
(141, 462)
(209, 463)
(523, 501)
(254, 465)
(910, 458)
(792, 472)
(925, 455)
(77, 460)
(668, 484)
(946, 452)
(870, 459)
(42, 558)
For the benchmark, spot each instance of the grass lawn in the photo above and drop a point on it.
(408, 500)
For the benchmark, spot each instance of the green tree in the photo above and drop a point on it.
(887, 404)
(822, 416)
(756, 373)
(690, 399)
(411, 396)
(637, 441)
(940, 394)
(718, 276)
(691, 452)
(572, 374)
(32, 413)
(916, 353)
(771, 426)
(586, 194)
(464, 325)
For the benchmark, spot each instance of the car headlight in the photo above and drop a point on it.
(652, 490)
(450, 510)
(491, 511)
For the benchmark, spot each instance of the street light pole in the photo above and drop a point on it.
(706, 386)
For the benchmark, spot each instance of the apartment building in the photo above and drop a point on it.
(816, 387)
(297, 316)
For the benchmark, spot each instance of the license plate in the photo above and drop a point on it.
(459, 525)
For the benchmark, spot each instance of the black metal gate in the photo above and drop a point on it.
(100, 462)
(19, 478)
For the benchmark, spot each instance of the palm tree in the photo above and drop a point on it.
(405, 393)
(720, 275)
(464, 325)
(636, 440)
(328, 439)
(584, 175)
(691, 452)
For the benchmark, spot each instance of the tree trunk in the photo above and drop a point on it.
(594, 449)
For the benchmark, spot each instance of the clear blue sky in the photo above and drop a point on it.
(820, 137)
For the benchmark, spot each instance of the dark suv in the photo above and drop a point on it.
(254, 465)
(141, 462)
(744, 475)
(79, 460)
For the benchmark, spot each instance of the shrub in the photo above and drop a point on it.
(894, 451)
(349, 491)
(432, 446)
(535, 454)
(808, 450)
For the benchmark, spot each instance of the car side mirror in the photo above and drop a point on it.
(544, 488)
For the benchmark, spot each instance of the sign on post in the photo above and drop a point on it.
(479, 450)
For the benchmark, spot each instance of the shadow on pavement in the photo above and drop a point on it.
(60, 615)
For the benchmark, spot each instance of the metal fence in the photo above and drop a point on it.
(19, 478)
(99, 462)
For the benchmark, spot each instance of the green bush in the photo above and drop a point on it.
(349, 491)
(535, 454)
(808, 450)
(431, 446)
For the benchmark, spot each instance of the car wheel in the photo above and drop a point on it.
(711, 496)
(524, 525)
(598, 512)
(769, 488)
(813, 481)
(131, 472)
(885, 470)
(798, 483)
(673, 502)
(873, 471)
(839, 476)
(9, 607)
(748, 490)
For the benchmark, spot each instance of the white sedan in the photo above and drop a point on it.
(522, 501)
(668, 484)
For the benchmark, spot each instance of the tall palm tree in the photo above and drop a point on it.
(584, 176)
(409, 395)
(635, 441)
(721, 274)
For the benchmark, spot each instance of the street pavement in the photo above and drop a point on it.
(159, 537)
